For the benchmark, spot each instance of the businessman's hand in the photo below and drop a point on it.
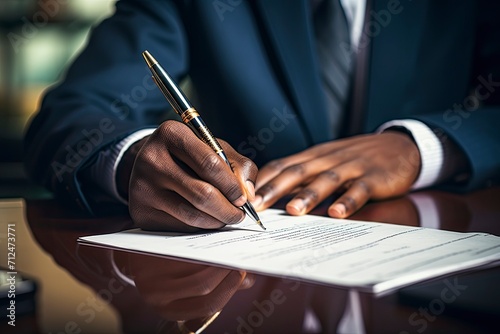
(364, 167)
(178, 183)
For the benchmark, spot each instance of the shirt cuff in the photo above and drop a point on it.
(430, 147)
(103, 171)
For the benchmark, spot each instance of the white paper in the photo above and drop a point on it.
(375, 257)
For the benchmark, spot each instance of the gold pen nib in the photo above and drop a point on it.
(248, 208)
(149, 59)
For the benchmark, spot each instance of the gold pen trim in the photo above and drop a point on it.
(189, 114)
(150, 60)
(204, 133)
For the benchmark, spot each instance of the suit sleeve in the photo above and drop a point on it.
(474, 122)
(106, 94)
(478, 137)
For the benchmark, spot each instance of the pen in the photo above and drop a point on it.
(191, 117)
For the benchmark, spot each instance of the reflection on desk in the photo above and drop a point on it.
(115, 291)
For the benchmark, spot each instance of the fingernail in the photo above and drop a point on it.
(257, 202)
(338, 210)
(296, 206)
(246, 281)
(240, 201)
(250, 189)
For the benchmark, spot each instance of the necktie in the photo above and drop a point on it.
(332, 41)
(359, 97)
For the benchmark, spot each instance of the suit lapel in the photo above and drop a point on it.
(396, 48)
(291, 39)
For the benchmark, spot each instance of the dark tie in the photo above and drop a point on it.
(332, 40)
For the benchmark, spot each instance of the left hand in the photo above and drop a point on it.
(374, 166)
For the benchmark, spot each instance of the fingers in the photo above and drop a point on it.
(314, 193)
(155, 209)
(325, 184)
(178, 181)
(183, 144)
(275, 167)
(353, 199)
(248, 280)
(201, 197)
(373, 166)
(243, 168)
(279, 186)
(325, 177)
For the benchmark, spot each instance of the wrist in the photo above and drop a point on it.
(429, 147)
(456, 167)
(401, 130)
(124, 169)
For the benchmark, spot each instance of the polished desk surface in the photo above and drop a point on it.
(84, 289)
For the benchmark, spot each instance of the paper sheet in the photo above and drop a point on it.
(375, 257)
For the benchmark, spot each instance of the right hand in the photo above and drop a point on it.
(178, 183)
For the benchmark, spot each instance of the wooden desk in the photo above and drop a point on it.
(85, 289)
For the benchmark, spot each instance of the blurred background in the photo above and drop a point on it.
(38, 39)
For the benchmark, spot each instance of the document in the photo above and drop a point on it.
(368, 256)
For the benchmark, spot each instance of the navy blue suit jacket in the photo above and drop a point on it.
(256, 76)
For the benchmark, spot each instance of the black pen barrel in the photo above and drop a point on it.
(174, 95)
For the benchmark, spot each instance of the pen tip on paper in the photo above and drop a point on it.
(261, 225)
